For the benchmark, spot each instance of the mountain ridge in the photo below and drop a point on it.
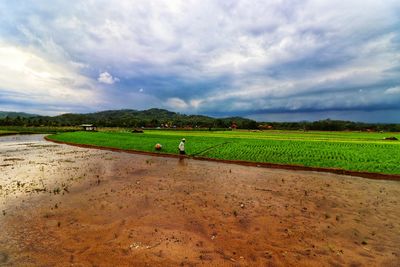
(153, 117)
(156, 117)
(14, 114)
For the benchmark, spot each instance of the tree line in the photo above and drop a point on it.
(154, 118)
(151, 118)
(333, 125)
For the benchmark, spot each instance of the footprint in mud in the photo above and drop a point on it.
(3, 257)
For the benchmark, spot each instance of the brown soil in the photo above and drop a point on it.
(68, 206)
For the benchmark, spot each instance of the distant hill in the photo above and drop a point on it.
(155, 117)
(9, 114)
(135, 118)
(149, 118)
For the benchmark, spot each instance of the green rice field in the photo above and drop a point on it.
(344, 150)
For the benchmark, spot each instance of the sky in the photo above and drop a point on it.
(271, 60)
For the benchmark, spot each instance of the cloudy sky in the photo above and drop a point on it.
(267, 60)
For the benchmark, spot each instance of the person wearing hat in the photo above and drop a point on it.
(181, 147)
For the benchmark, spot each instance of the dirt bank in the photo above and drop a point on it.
(63, 205)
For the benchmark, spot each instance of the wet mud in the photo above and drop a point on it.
(68, 206)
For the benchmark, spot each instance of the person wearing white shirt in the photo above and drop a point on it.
(181, 147)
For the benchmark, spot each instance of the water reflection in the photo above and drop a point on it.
(18, 138)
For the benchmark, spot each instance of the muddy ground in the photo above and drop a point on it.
(67, 206)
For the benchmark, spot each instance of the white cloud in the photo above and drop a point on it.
(107, 78)
(26, 77)
(393, 90)
(195, 103)
(176, 103)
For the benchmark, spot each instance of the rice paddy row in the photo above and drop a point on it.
(350, 151)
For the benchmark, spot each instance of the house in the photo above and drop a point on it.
(265, 127)
(89, 127)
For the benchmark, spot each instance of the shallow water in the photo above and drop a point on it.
(21, 138)
(16, 144)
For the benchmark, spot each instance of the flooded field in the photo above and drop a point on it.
(67, 206)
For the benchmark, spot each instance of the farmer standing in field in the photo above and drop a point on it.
(181, 147)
